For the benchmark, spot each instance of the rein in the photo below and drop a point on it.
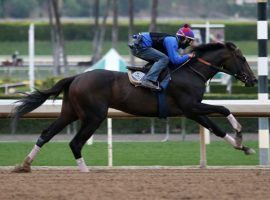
(196, 71)
(237, 73)
(201, 60)
(221, 69)
(180, 66)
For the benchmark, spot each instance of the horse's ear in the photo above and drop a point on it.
(231, 46)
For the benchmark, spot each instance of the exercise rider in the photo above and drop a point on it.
(161, 49)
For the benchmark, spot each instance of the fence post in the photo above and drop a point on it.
(183, 128)
(110, 153)
(31, 57)
(262, 36)
(203, 162)
(207, 135)
(167, 131)
(152, 126)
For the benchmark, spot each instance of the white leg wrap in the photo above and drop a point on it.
(33, 153)
(230, 140)
(82, 166)
(234, 123)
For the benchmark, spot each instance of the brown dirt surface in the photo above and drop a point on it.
(137, 184)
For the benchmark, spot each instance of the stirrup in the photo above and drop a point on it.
(135, 68)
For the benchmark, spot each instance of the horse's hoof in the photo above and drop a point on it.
(21, 169)
(248, 151)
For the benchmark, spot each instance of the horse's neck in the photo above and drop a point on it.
(206, 71)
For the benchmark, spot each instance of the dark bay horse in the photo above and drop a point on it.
(88, 96)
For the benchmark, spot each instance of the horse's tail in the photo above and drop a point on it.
(35, 99)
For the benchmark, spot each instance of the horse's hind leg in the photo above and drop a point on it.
(67, 116)
(88, 126)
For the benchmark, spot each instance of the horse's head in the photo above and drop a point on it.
(237, 64)
(227, 58)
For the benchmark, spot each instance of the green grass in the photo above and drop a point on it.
(72, 48)
(85, 47)
(129, 154)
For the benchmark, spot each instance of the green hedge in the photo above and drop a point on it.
(83, 31)
(240, 32)
(129, 126)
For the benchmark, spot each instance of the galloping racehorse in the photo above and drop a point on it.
(88, 96)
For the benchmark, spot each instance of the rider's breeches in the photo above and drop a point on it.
(152, 55)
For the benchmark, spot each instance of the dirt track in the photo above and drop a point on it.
(137, 184)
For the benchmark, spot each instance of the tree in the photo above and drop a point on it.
(115, 23)
(96, 27)
(131, 25)
(101, 34)
(2, 9)
(18, 8)
(57, 38)
(153, 24)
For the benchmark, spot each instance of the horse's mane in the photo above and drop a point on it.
(209, 47)
(213, 46)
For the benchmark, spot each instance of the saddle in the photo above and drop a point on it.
(136, 74)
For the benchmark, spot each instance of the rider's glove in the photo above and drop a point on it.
(191, 55)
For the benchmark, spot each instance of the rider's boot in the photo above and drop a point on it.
(149, 84)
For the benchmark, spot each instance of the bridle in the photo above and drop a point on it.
(238, 75)
(201, 60)
(218, 68)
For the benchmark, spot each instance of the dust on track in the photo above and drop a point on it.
(136, 184)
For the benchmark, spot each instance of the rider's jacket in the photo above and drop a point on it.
(158, 40)
(166, 43)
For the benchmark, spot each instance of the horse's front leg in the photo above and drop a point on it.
(205, 109)
(209, 124)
